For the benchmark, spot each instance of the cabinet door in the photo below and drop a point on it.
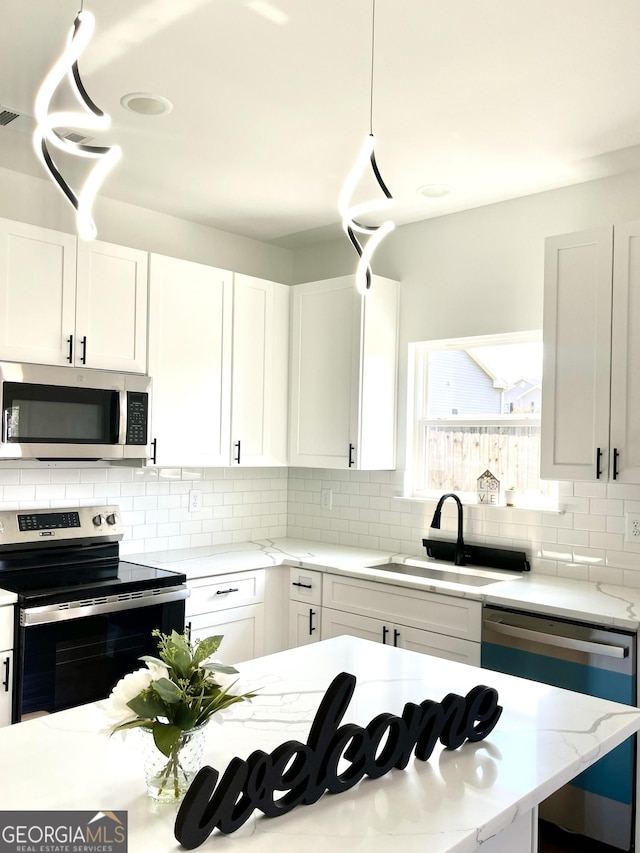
(37, 293)
(577, 353)
(6, 692)
(241, 627)
(304, 624)
(336, 623)
(325, 348)
(625, 355)
(190, 361)
(111, 307)
(260, 371)
(437, 645)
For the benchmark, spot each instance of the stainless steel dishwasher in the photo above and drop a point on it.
(600, 802)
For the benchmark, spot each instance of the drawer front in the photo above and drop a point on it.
(444, 614)
(305, 585)
(242, 629)
(6, 628)
(236, 590)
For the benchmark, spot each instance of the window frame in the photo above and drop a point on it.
(417, 420)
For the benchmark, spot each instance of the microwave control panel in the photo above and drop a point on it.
(137, 417)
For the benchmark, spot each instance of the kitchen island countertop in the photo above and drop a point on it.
(602, 603)
(480, 795)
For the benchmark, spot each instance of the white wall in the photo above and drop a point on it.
(37, 201)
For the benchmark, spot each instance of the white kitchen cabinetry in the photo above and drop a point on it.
(590, 404)
(260, 372)
(440, 625)
(64, 302)
(343, 375)
(190, 316)
(111, 307)
(231, 605)
(305, 599)
(6, 664)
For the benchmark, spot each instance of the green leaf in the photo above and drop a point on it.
(132, 724)
(167, 690)
(220, 667)
(151, 659)
(165, 737)
(206, 648)
(148, 705)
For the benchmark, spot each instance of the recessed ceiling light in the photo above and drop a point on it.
(146, 104)
(434, 190)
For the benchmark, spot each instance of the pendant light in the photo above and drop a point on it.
(91, 118)
(351, 214)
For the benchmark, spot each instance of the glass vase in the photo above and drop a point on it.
(169, 777)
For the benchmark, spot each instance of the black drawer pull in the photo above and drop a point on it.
(385, 631)
(396, 634)
(312, 628)
(225, 591)
(83, 357)
(70, 342)
(303, 585)
(5, 683)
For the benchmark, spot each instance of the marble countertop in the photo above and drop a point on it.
(455, 801)
(605, 604)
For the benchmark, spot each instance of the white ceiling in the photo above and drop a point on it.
(496, 98)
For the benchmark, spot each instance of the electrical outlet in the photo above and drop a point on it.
(633, 527)
(326, 498)
(195, 500)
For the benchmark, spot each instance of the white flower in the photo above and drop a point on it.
(125, 690)
(157, 670)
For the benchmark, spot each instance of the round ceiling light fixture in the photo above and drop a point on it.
(434, 190)
(146, 104)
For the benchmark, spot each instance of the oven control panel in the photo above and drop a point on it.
(96, 523)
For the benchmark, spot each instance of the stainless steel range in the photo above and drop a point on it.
(84, 617)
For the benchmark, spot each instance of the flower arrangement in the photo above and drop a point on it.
(177, 692)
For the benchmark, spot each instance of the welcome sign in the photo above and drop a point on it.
(298, 773)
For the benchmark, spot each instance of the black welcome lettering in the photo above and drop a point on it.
(296, 773)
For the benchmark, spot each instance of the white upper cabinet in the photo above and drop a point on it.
(590, 408)
(111, 307)
(66, 302)
(190, 324)
(343, 375)
(260, 368)
(37, 293)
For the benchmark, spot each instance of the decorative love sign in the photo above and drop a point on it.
(304, 771)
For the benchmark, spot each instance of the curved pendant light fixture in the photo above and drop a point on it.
(91, 118)
(351, 214)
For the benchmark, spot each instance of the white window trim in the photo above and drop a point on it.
(416, 407)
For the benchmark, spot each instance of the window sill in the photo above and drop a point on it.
(557, 510)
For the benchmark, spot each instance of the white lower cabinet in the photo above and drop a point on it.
(6, 664)
(440, 625)
(305, 598)
(231, 605)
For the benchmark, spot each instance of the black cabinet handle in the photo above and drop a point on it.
(396, 634)
(154, 450)
(616, 454)
(598, 461)
(83, 344)
(385, 631)
(70, 342)
(225, 591)
(303, 585)
(312, 613)
(188, 629)
(5, 683)
(351, 459)
(237, 458)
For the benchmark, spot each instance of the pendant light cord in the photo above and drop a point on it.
(373, 41)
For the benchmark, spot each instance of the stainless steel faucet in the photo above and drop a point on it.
(459, 559)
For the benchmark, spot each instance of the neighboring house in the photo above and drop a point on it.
(524, 396)
(462, 385)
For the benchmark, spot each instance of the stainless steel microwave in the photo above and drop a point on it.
(64, 413)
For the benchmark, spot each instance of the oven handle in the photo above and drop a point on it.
(49, 613)
(558, 641)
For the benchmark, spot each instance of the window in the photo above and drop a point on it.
(476, 407)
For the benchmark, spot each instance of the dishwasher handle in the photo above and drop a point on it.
(558, 641)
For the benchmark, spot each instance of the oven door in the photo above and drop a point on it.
(67, 657)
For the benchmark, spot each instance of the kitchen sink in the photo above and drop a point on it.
(463, 575)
